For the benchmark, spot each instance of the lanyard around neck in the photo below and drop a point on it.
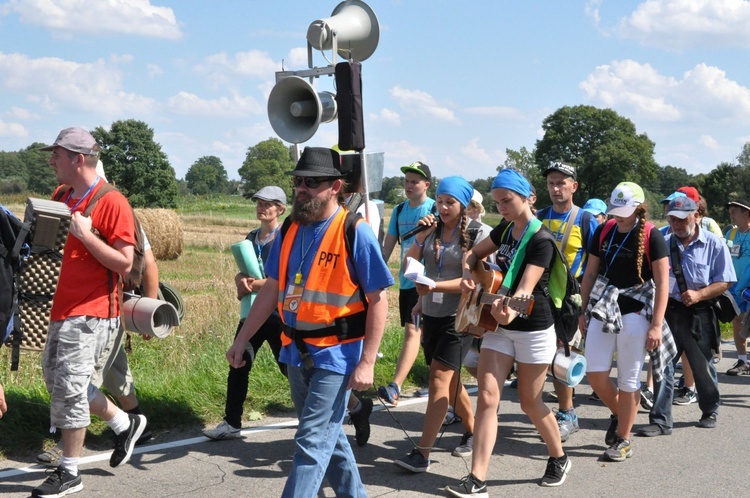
(96, 180)
(304, 251)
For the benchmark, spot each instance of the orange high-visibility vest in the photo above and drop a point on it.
(329, 292)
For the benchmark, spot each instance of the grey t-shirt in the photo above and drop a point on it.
(448, 267)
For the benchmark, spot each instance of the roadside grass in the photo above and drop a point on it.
(181, 380)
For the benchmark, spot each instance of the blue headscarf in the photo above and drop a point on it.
(512, 180)
(457, 187)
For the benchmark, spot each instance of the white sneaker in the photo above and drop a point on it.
(222, 431)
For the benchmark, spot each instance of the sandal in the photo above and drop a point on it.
(51, 457)
(389, 393)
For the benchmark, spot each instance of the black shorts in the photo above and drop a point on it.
(407, 299)
(441, 342)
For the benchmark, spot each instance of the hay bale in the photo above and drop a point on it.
(164, 230)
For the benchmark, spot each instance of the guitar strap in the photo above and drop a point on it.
(515, 265)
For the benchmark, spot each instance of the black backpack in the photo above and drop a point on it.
(14, 235)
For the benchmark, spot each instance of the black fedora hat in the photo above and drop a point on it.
(318, 161)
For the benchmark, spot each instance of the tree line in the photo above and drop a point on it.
(604, 147)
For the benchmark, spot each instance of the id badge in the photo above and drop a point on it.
(293, 298)
(437, 297)
(598, 290)
(735, 250)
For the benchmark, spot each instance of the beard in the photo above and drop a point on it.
(310, 210)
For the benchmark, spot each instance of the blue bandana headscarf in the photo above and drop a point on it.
(457, 187)
(512, 180)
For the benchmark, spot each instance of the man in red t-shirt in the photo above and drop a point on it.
(85, 310)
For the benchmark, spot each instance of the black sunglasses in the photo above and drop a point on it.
(309, 181)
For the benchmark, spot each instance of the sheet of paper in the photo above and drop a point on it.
(414, 271)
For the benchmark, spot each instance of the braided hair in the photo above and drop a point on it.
(640, 212)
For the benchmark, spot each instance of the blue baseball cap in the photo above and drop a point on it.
(595, 206)
(672, 197)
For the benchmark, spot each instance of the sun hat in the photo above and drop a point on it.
(318, 161)
(271, 194)
(624, 199)
(75, 140)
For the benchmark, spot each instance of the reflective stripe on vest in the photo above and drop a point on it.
(329, 291)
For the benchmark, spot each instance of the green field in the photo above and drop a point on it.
(181, 380)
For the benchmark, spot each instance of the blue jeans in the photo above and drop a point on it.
(694, 333)
(322, 450)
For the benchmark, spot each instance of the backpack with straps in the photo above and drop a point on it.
(133, 280)
(610, 224)
(14, 248)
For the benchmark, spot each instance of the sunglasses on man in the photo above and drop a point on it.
(310, 181)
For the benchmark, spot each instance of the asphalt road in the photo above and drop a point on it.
(690, 462)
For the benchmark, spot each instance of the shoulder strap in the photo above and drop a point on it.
(515, 265)
(569, 228)
(646, 237)
(60, 193)
(674, 255)
(397, 212)
(101, 192)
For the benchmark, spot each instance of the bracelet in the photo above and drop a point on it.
(418, 244)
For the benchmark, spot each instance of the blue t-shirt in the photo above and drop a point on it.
(367, 269)
(407, 220)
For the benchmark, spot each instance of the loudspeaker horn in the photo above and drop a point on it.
(295, 109)
(356, 28)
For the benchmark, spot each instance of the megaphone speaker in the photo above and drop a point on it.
(355, 26)
(295, 109)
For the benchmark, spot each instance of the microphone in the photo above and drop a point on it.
(419, 228)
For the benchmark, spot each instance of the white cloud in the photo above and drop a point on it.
(22, 114)
(387, 117)
(708, 142)
(55, 84)
(495, 112)
(252, 64)
(682, 24)
(154, 70)
(421, 102)
(476, 155)
(230, 107)
(703, 93)
(131, 17)
(400, 153)
(16, 130)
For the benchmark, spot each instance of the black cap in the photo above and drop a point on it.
(565, 169)
(419, 168)
(318, 161)
(740, 203)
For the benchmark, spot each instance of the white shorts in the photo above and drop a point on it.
(471, 359)
(629, 344)
(537, 347)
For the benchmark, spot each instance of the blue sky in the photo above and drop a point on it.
(450, 85)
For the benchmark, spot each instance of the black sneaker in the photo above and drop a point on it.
(708, 421)
(685, 396)
(557, 471)
(59, 483)
(647, 399)
(611, 436)
(125, 441)
(361, 422)
(469, 486)
(739, 368)
(414, 462)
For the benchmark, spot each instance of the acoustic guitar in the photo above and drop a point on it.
(474, 315)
